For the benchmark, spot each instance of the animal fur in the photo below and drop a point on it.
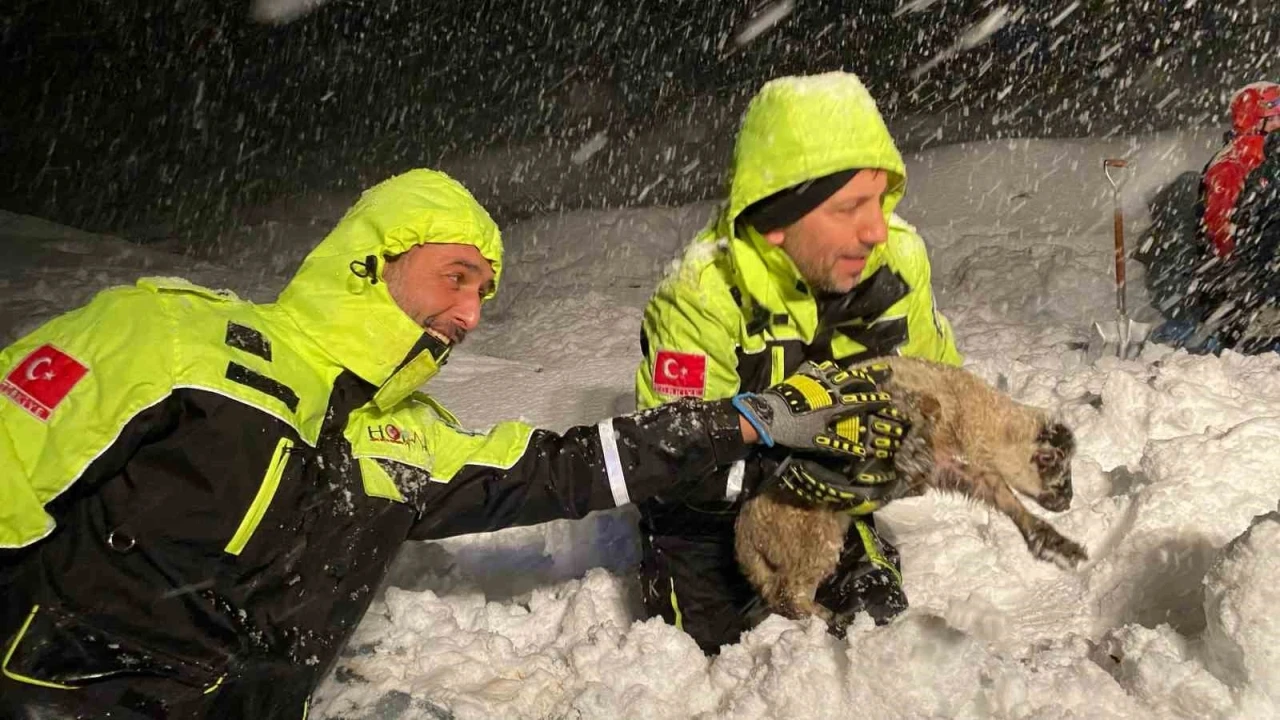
(965, 437)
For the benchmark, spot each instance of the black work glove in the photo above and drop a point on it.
(866, 479)
(821, 408)
(858, 488)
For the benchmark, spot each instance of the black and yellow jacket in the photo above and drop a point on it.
(739, 307)
(199, 495)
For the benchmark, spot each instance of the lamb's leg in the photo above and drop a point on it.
(796, 598)
(1045, 542)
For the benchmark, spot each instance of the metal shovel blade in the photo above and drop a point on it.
(1124, 338)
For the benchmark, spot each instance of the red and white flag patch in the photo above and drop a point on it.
(42, 380)
(680, 374)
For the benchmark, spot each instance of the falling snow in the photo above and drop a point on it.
(219, 141)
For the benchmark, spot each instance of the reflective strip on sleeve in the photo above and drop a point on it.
(613, 464)
(733, 485)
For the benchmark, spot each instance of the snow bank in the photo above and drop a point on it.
(50, 268)
(1242, 637)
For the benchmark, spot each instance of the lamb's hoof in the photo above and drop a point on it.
(1046, 544)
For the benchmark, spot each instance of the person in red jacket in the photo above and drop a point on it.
(1255, 111)
(1199, 298)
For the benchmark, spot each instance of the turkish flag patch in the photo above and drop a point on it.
(680, 374)
(42, 380)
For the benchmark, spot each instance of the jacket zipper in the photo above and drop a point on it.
(266, 491)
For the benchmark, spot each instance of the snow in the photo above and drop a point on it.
(1066, 12)
(589, 148)
(1242, 633)
(973, 36)
(280, 12)
(1173, 617)
(769, 16)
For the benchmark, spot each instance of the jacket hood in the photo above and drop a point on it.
(1252, 104)
(338, 297)
(800, 128)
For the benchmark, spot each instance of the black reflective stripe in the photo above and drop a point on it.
(755, 370)
(759, 321)
(865, 302)
(854, 316)
(879, 339)
(427, 343)
(238, 373)
(245, 338)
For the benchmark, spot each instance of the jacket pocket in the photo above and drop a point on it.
(261, 501)
(57, 649)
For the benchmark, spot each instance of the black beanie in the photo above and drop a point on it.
(787, 206)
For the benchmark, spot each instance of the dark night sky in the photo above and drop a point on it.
(162, 118)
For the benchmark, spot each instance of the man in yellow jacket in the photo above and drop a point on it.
(805, 262)
(199, 495)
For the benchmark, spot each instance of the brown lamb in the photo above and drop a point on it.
(966, 437)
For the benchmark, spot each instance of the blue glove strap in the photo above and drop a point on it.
(747, 413)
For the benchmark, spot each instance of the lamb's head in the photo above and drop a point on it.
(1054, 448)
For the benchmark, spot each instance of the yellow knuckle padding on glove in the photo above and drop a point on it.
(873, 478)
(813, 391)
(813, 491)
(863, 398)
(800, 481)
(863, 375)
(865, 508)
(887, 428)
(877, 373)
(844, 446)
(850, 428)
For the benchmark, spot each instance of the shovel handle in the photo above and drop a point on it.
(1120, 264)
(1107, 164)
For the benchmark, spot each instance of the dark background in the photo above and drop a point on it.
(166, 119)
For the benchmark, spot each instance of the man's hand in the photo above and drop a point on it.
(850, 463)
(858, 487)
(825, 409)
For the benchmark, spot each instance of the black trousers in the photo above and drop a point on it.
(112, 700)
(693, 581)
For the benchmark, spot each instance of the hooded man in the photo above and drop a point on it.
(199, 495)
(805, 262)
